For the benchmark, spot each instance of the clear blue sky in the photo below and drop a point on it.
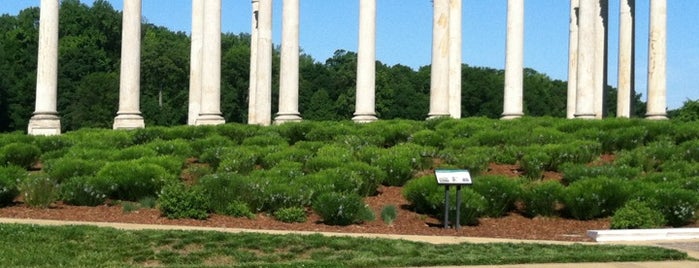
(404, 33)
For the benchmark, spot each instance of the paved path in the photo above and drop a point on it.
(689, 246)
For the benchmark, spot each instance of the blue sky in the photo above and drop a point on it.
(404, 33)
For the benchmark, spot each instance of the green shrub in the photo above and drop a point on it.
(340, 209)
(133, 152)
(370, 176)
(690, 150)
(508, 154)
(627, 138)
(236, 132)
(541, 198)
(222, 189)
(595, 197)
(401, 162)
(474, 159)
(636, 214)
(176, 201)
(499, 192)
(62, 169)
(9, 176)
(327, 131)
(39, 190)
(242, 159)
(83, 191)
(267, 139)
(574, 172)
(146, 135)
(473, 205)
(19, 154)
(295, 131)
(391, 132)
(534, 163)
(52, 143)
(177, 147)
(315, 164)
(389, 213)
(213, 142)
(131, 180)
(172, 164)
(291, 214)
(194, 172)
(428, 137)
(293, 154)
(238, 209)
(678, 206)
(418, 191)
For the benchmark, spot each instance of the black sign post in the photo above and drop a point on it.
(449, 177)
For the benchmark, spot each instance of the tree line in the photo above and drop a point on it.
(88, 77)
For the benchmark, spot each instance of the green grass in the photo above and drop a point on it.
(86, 246)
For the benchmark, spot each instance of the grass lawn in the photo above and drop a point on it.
(87, 246)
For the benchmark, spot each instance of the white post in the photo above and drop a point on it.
(625, 80)
(195, 64)
(439, 85)
(572, 59)
(585, 94)
(263, 94)
(657, 61)
(514, 61)
(455, 41)
(211, 70)
(129, 114)
(366, 64)
(601, 57)
(45, 120)
(289, 72)
(252, 91)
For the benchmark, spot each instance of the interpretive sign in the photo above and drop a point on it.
(452, 176)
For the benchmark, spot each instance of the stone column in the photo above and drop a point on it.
(455, 41)
(263, 94)
(572, 59)
(195, 64)
(626, 58)
(366, 64)
(439, 80)
(129, 114)
(601, 57)
(210, 113)
(514, 61)
(585, 94)
(657, 61)
(289, 72)
(252, 91)
(45, 120)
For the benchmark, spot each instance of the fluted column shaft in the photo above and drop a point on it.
(626, 58)
(439, 80)
(289, 72)
(366, 63)
(455, 58)
(585, 93)
(572, 59)
(129, 114)
(514, 61)
(601, 57)
(657, 61)
(45, 120)
(195, 64)
(252, 92)
(210, 113)
(263, 94)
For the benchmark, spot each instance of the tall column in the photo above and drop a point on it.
(572, 59)
(195, 64)
(366, 63)
(252, 91)
(514, 60)
(263, 94)
(657, 61)
(439, 80)
(45, 120)
(210, 113)
(129, 114)
(585, 94)
(289, 72)
(455, 41)
(601, 57)
(626, 58)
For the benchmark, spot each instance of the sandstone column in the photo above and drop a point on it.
(585, 94)
(263, 94)
(439, 80)
(657, 61)
(455, 41)
(572, 59)
(366, 64)
(129, 114)
(514, 60)
(601, 57)
(45, 120)
(289, 72)
(252, 91)
(210, 113)
(626, 58)
(195, 65)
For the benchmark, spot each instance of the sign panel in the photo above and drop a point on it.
(453, 176)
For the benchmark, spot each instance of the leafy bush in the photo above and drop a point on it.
(534, 163)
(39, 190)
(391, 132)
(418, 191)
(627, 138)
(267, 139)
(64, 168)
(389, 213)
(19, 154)
(176, 147)
(401, 161)
(84, 191)
(293, 154)
(636, 214)
(541, 198)
(678, 206)
(428, 137)
(341, 209)
(132, 180)
(213, 142)
(238, 209)
(595, 197)
(315, 164)
(52, 143)
(499, 192)
(473, 205)
(222, 189)
(475, 159)
(9, 176)
(291, 214)
(176, 201)
(242, 159)
(575, 172)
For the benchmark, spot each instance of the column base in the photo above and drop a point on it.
(511, 116)
(209, 120)
(435, 116)
(287, 118)
(364, 118)
(129, 121)
(44, 124)
(656, 116)
(585, 116)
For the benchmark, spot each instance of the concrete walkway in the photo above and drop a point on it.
(689, 246)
